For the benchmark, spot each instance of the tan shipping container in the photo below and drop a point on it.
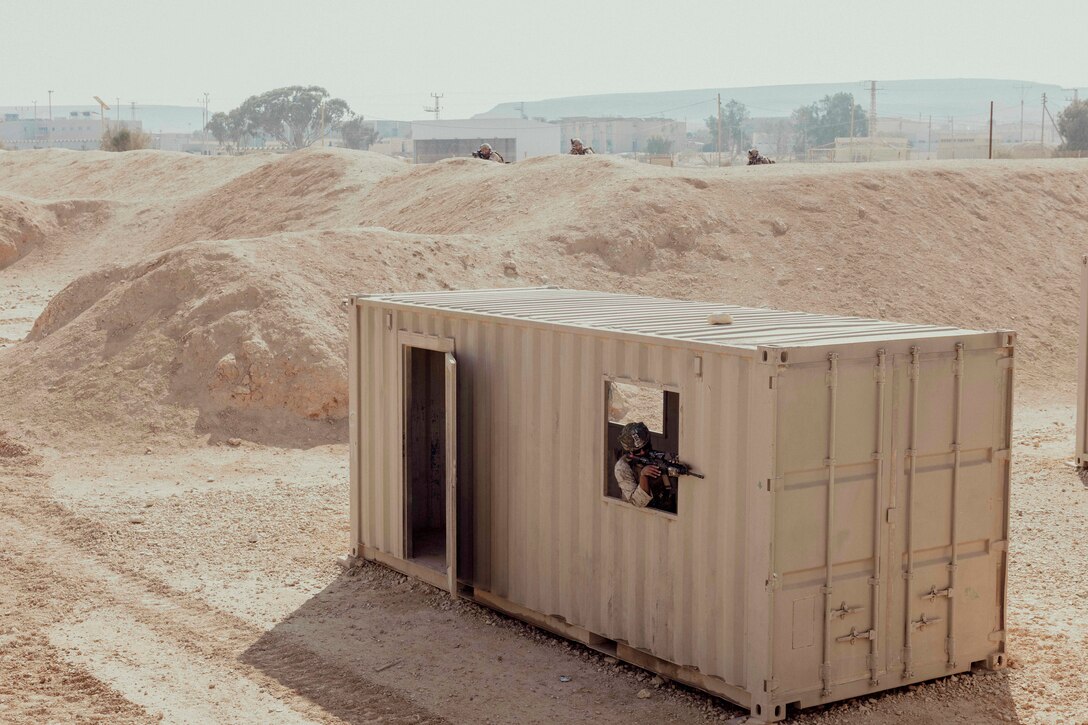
(850, 534)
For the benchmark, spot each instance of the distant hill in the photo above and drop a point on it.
(967, 98)
(168, 119)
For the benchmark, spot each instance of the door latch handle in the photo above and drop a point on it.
(844, 610)
(854, 634)
(922, 621)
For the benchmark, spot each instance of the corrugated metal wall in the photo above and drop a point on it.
(532, 443)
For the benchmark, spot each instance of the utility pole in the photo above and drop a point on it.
(852, 107)
(929, 139)
(872, 108)
(952, 122)
(133, 104)
(204, 127)
(118, 107)
(49, 126)
(1042, 126)
(322, 124)
(436, 109)
(991, 129)
(719, 129)
(35, 113)
(1021, 120)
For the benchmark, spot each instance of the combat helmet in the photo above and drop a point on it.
(634, 436)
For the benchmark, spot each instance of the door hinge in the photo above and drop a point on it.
(934, 592)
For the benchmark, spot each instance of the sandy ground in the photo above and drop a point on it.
(172, 500)
(201, 586)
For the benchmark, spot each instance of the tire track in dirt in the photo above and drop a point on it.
(37, 684)
(47, 533)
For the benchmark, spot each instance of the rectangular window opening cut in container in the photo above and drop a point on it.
(848, 534)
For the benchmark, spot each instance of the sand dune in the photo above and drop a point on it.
(217, 301)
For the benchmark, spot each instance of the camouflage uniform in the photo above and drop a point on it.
(580, 149)
(494, 156)
(627, 477)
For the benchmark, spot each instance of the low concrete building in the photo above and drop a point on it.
(515, 138)
(965, 146)
(625, 135)
(80, 131)
(394, 146)
(862, 148)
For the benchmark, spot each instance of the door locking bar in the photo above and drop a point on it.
(934, 592)
(854, 635)
(922, 621)
(844, 610)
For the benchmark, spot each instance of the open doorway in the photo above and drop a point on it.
(425, 458)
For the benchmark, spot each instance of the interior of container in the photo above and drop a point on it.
(425, 456)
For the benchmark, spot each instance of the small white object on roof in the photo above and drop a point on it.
(720, 318)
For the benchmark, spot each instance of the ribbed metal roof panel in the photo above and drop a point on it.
(679, 320)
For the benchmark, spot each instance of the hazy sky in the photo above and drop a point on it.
(385, 58)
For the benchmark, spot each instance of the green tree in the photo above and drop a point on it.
(735, 118)
(658, 145)
(294, 115)
(232, 129)
(356, 135)
(1073, 125)
(827, 119)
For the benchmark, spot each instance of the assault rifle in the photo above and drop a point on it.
(668, 467)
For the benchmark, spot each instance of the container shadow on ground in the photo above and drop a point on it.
(317, 653)
(399, 634)
(376, 645)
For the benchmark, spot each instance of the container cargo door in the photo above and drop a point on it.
(831, 531)
(451, 473)
(948, 544)
(430, 462)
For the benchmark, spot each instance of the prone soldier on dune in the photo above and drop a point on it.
(577, 148)
(486, 153)
(755, 158)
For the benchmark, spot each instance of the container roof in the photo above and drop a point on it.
(679, 320)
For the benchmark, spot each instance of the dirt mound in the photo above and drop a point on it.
(155, 176)
(243, 336)
(11, 448)
(295, 192)
(23, 225)
(201, 337)
(222, 339)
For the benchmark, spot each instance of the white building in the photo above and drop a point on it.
(515, 138)
(80, 131)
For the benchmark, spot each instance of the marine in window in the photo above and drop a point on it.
(647, 478)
